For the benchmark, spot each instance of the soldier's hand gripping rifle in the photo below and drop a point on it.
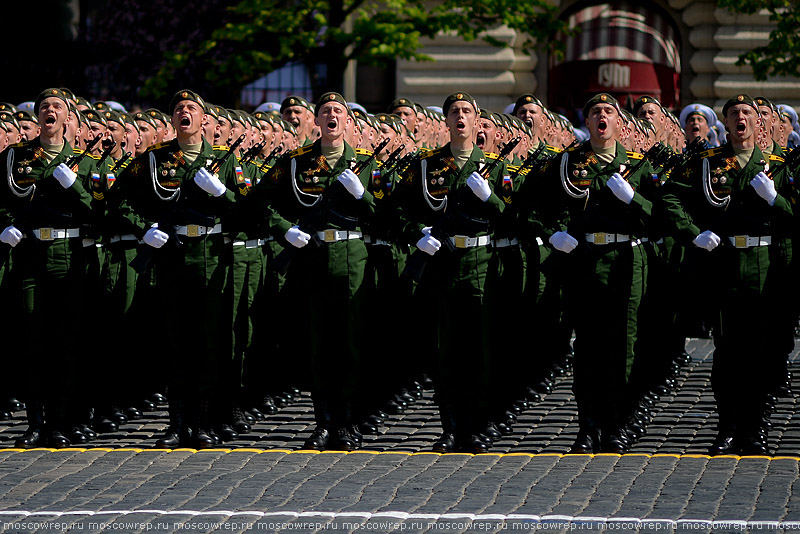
(442, 229)
(167, 221)
(313, 221)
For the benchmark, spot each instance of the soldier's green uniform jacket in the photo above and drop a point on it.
(293, 185)
(49, 206)
(715, 194)
(148, 184)
(435, 184)
(580, 172)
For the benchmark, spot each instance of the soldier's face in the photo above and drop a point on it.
(387, 132)
(3, 138)
(224, 132)
(652, 113)
(147, 136)
(71, 128)
(267, 132)
(487, 136)
(30, 130)
(531, 114)
(117, 132)
(408, 115)
(237, 129)
(332, 120)
(696, 127)
(462, 121)
(741, 121)
(296, 115)
(131, 138)
(210, 129)
(604, 123)
(187, 119)
(53, 113)
(277, 139)
(13, 134)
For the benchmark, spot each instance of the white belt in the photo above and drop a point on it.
(330, 236)
(375, 241)
(602, 238)
(124, 237)
(539, 241)
(49, 234)
(250, 243)
(746, 241)
(463, 241)
(505, 242)
(194, 230)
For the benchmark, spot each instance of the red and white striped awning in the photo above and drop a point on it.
(622, 31)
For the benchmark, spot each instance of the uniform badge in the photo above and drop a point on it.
(584, 173)
(110, 179)
(723, 179)
(714, 180)
(239, 175)
(440, 180)
(172, 172)
(315, 179)
(28, 170)
(433, 181)
(575, 173)
(164, 172)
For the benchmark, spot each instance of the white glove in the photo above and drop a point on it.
(479, 186)
(707, 240)
(563, 241)
(429, 244)
(351, 182)
(764, 187)
(11, 236)
(155, 237)
(209, 183)
(427, 230)
(64, 175)
(621, 189)
(296, 237)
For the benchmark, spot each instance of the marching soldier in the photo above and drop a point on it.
(444, 197)
(594, 214)
(174, 198)
(313, 192)
(732, 210)
(44, 206)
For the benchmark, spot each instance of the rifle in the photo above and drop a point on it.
(273, 154)
(252, 152)
(318, 215)
(106, 153)
(218, 162)
(392, 160)
(789, 162)
(442, 228)
(166, 224)
(75, 160)
(121, 162)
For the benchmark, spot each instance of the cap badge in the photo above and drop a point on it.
(740, 98)
(185, 94)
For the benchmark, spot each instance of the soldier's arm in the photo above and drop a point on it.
(121, 202)
(676, 195)
(265, 197)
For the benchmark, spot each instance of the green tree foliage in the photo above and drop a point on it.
(258, 36)
(781, 56)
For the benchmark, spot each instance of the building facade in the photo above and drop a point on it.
(681, 51)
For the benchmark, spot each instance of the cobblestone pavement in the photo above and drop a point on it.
(264, 483)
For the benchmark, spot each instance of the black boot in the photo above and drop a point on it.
(177, 435)
(319, 439)
(201, 430)
(34, 435)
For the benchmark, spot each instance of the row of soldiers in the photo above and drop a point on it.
(223, 254)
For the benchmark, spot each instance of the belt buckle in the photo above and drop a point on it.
(46, 234)
(600, 238)
(330, 236)
(192, 230)
(740, 241)
(460, 241)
